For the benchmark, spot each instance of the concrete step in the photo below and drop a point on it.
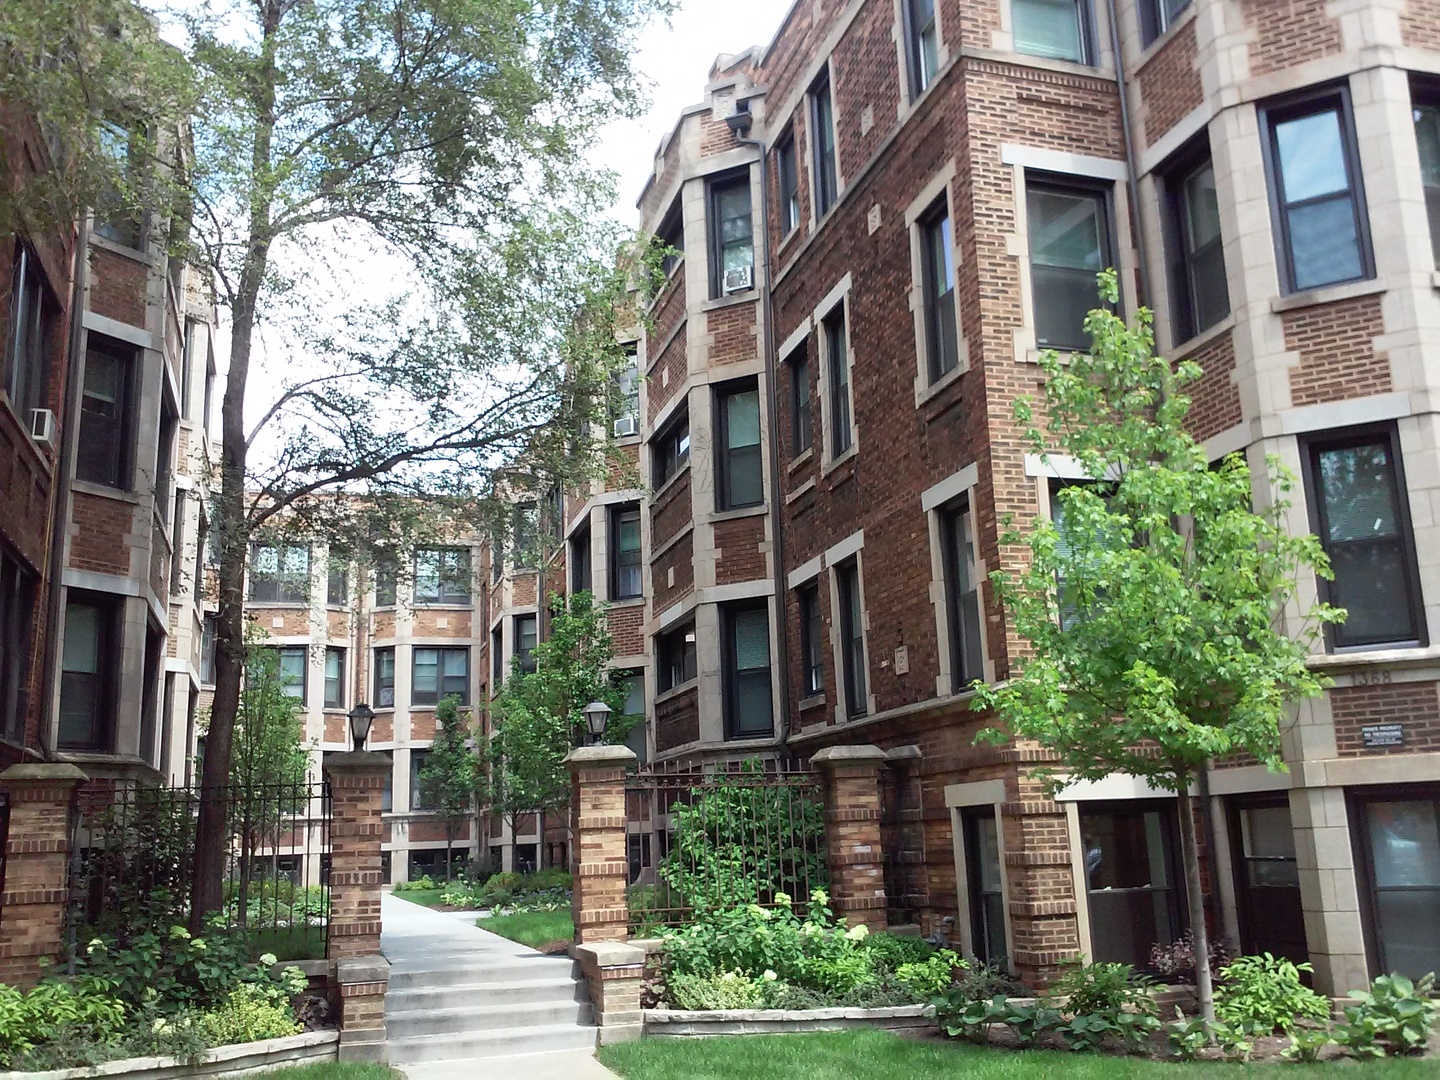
(496, 1042)
(497, 994)
(484, 971)
(479, 1019)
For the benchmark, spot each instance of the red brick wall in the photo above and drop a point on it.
(1415, 706)
(625, 630)
(1336, 343)
(666, 376)
(733, 334)
(1420, 24)
(1214, 399)
(426, 623)
(741, 559)
(100, 531)
(1169, 85)
(117, 287)
(865, 77)
(677, 721)
(679, 558)
(670, 512)
(1289, 32)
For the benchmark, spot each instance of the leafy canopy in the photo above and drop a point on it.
(1172, 636)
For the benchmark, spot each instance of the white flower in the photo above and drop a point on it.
(269, 959)
(769, 976)
(858, 932)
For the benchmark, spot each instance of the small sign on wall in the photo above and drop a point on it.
(1379, 735)
(902, 660)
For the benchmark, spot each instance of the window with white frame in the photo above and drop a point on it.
(1070, 243)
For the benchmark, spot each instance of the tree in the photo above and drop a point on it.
(1173, 635)
(450, 775)
(269, 768)
(539, 717)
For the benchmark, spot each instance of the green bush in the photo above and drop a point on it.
(1394, 1016)
(249, 1014)
(932, 977)
(890, 952)
(1306, 1044)
(79, 1010)
(1267, 992)
(415, 884)
(727, 990)
(1104, 989)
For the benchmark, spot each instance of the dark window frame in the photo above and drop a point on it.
(337, 584)
(622, 561)
(582, 560)
(920, 79)
(670, 450)
(1177, 906)
(1157, 19)
(854, 661)
(337, 700)
(1358, 802)
(101, 723)
(525, 658)
(1311, 446)
(971, 819)
(671, 233)
(1182, 257)
(812, 638)
(802, 401)
(282, 584)
(933, 226)
(835, 327)
(787, 182)
(965, 626)
(727, 457)
(715, 243)
(441, 692)
(111, 462)
(17, 613)
(446, 594)
(281, 651)
(824, 148)
(670, 662)
(1425, 95)
(1272, 114)
(30, 339)
(732, 673)
(1103, 192)
(381, 684)
(1089, 51)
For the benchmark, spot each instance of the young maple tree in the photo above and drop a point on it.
(1160, 602)
(450, 775)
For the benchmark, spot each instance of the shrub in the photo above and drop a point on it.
(727, 990)
(931, 977)
(1104, 989)
(80, 1010)
(890, 952)
(249, 1014)
(1188, 1035)
(1267, 992)
(415, 884)
(971, 1018)
(1177, 958)
(1394, 1016)
(1306, 1044)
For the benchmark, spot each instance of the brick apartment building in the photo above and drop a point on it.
(881, 217)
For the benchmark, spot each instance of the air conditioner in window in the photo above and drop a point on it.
(627, 425)
(739, 279)
(42, 427)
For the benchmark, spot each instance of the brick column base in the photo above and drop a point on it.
(362, 982)
(853, 847)
(37, 851)
(357, 781)
(598, 860)
(613, 973)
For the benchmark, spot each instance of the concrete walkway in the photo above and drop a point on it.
(465, 1003)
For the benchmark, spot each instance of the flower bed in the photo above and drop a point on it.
(302, 1049)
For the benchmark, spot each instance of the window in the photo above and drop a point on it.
(633, 684)
(671, 450)
(962, 596)
(801, 431)
(625, 552)
(177, 543)
(292, 670)
(1316, 195)
(1267, 878)
(852, 639)
(922, 41)
(942, 341)
(787, 170)
(1427, 134)
(442, 575)
(385, 678)
(676, 652)
(554, 514)
(672, 237)
(747, 671)
(497, 559)
(527, 536)
(732, 236)
(438, 674)
(982, 879)
(739, 482)
(626, 420)
(87, 696)
(210, 375)
(837, 357)
(1400, 837)
(165, 454)
(580, 574)
(1131, 879)
(209, 639)
(1157, 16)
(525, 638)
(17, 606)
(194, 333)
(418, 799)
(279, 573)
(114, 219)
(27, 352)
(1069, 245)
(337, 585)
(822, 125)
(1055, 29)
(812, 640)
(334, 678)
(1355, 486)
(106, 415)
(1067, 599)
(1197, 255)
(385, 576)
(497, 655)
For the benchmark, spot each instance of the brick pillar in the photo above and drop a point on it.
(853, 848)
(37, 852)
(614, 974)
(597, 853)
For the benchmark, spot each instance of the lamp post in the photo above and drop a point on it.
(596, 715)
(361, 717)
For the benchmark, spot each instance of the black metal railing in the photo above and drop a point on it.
(706, 838)
(133, 857)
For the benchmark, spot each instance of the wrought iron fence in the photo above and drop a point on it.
(133, 858)
(704, 838)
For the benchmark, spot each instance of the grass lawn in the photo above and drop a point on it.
(336, 1070)
(878, 1055)
(533, 928)
(423, 897)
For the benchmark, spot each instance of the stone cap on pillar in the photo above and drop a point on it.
(357, 763)
(41, 774)
(863, 756)
(600, 757)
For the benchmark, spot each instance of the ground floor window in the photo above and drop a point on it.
(1399, 842)
(982, 874)
(1131, 879)
(525, 855)
(1267, 880)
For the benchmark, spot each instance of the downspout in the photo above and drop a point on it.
(740, 124)
(60, 508)
(1132, 172)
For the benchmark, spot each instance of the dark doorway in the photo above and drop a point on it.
(1133, 880)
(982, 875)
(1267, 881)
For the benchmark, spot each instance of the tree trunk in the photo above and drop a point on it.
(449, 844)
(229, 508)
(1195, 897)
(542, 849)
